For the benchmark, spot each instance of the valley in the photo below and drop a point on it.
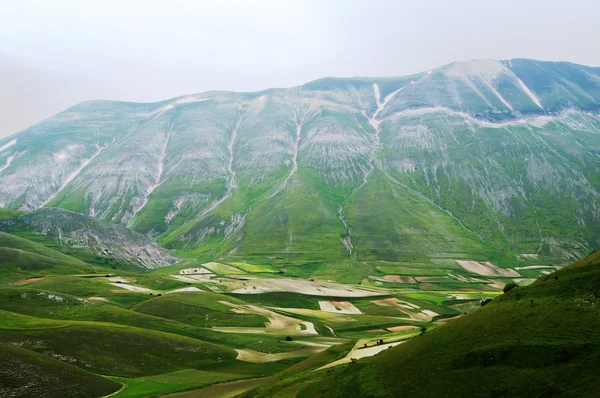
(288, 241)
(191, 326)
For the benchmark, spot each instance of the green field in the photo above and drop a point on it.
(541, 339)
(99, 328)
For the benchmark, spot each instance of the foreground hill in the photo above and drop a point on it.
(535, 341)
(479, 158)
(24, 373)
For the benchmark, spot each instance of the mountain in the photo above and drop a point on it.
(482, 160)
(535, 341)
(82, 236)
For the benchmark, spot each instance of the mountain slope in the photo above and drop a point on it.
(85, 236)
(539, 340)
(481, 159)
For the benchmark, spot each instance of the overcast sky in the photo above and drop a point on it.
(56, 53)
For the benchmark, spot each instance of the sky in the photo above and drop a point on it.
(56, 53)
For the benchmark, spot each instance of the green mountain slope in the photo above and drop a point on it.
(86, 238)
(479, 160)
(20, 256)
(540, 340)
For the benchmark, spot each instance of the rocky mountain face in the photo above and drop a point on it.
(78, 231)
(473, 159)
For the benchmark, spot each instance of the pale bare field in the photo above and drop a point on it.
(248, 355)
(305, 287)
(407, 308)
(325, 316)
(223, 269)
(277, 324)
(27, 281)
(358, 352)
(197, 270)
(487, 269)
(401, 328)
(185, 289)
(394, 278)
(97, 298)
(193, 278)
(345, 307)
(132, 288)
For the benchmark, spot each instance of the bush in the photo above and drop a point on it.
(485, 301)
(288, 338)
(509, 287)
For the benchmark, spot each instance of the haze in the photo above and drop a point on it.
(54, 54)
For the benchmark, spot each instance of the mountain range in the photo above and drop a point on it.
(482, 160)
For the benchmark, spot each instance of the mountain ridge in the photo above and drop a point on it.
(460, 153)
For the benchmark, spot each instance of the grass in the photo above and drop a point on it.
(199, 309)
(165, 344)
(252, 268)
(28, 374)
(281, 299)
(223, 269)
(539, 340)
(139, 388)
(110, 349)
(22, 257)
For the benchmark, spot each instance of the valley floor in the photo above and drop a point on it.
(229, 325)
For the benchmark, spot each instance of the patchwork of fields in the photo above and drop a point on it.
(221, 326)
(192, 325)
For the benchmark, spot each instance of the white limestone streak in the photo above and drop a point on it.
(8, 144)
(528, 92)
(537, 121)
(9, 161)
(346, 241)
(374, 122)
(74, 174)
(171, 105)
(500, 97)
(160, 167)
(231, 181)
(172, 213)
(299, 120)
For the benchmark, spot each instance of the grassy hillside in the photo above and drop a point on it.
(24, 373)
(86, 238)
(22, 256)
(539, 340)
(109, 348)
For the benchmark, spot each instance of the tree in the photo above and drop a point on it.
(423, 329)
(288, 338)
(509, 286)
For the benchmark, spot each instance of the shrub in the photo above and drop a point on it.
(509, 287)
(485, 301)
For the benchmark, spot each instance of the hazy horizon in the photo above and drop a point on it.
(56, 54)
